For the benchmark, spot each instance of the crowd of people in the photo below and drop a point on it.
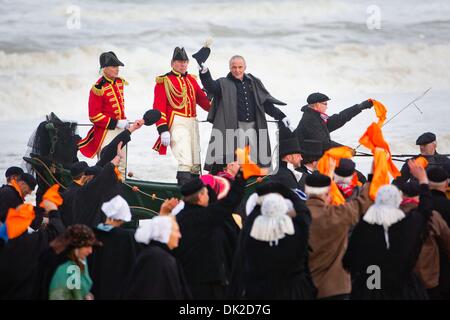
(288, 239)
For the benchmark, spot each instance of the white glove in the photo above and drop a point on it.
(287, 124)
(165, 138)
(203, 68)
(122, 124)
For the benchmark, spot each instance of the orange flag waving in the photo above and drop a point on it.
(373, 139)
(249, 168)
(326, 165)
(380, 111)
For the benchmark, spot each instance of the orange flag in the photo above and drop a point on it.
(421, 161)
(326, 165)
(380, 173)
(18, 220)
(52, 195)
(373, 139)
(249, 168)
(380, 111)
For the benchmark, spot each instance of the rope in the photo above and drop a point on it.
(152, 196)
(50, 172)
(143, 208)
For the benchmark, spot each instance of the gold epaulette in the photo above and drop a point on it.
(97, 91)
(160, 79)
(125, 82)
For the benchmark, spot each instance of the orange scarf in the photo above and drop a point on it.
(326, 166)
(380, 111)
(373, 139)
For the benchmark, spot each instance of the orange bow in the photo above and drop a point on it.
(18, 220)
(326, 166)
(249, 168)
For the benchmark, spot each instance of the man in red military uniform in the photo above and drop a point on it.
(176, 95)
(106, 109)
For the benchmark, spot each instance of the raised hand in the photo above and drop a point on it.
(168, 205)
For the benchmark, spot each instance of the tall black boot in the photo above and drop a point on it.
(183, 177)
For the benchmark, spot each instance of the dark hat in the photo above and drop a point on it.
(109, 59)
(191, 187)
(151, 117)
(28, 179)
(92, 171)
(437, 174)
(179, 54)
(312, 148)
(13, 170)
(202, 54)
(425, 138)
(346, 168)
(289, 146)
(317, 180)
(288, 142)
(316, 97)
(410, 189)
(78, 168)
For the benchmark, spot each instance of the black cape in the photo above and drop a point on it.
(257, 271)
(367, 247)
(110, 265)
(19, 260)
(157, 276)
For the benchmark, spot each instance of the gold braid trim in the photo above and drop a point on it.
(171, 92)
(125, 82)
(159, 79)
(96, 91)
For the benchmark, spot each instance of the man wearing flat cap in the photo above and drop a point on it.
(13, 194)
(427, 144)
(106, 108)
(315, 124)
(12, 173)
(176, 95)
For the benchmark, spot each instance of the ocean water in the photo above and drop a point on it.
(351, 50)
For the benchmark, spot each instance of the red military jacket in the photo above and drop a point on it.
(106, 106)
(176, 94)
